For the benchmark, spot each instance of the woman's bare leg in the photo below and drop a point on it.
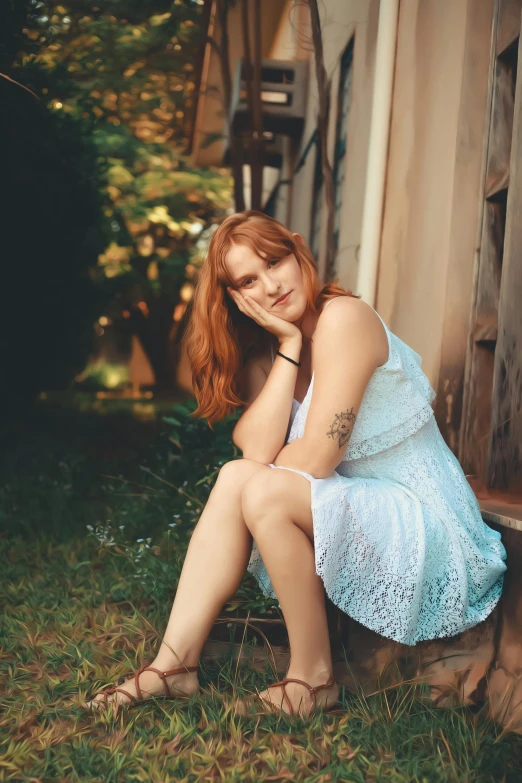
(277, 507)
(214, 566)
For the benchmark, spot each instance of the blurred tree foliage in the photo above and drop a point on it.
(53, 225)
(120, 78)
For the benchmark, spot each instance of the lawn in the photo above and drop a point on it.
(96, 512)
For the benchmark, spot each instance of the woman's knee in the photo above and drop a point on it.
(234, 474)
(262, 492)
(278, 495)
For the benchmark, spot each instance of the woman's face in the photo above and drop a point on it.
(266, 280)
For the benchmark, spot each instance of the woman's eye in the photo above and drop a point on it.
(274, 261)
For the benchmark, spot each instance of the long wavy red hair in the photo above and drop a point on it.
(219, 337)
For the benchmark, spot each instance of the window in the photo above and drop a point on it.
(343, 104)
(317, 202)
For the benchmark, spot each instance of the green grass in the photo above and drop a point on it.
(81, 608)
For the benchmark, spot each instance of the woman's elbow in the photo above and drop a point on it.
(252, 453)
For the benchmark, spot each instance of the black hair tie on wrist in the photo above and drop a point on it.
(298, 364)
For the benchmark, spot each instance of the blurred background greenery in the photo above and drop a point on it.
(107, 221)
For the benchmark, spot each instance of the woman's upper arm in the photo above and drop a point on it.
(340, 380)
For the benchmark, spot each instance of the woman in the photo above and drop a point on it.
(345, 485)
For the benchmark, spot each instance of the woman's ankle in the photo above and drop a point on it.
(175, 657)
(313, 675)
(166, 664)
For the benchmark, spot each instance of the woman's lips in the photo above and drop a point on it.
(284, 300)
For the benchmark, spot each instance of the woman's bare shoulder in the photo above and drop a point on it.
(352, 313)
(359, 310)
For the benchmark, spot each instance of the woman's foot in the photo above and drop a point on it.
(184, 684)
(299, 696)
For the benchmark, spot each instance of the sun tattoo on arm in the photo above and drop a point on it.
(342, 427)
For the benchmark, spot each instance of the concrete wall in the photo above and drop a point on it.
(341, 19)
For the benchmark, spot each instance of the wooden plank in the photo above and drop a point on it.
(505, 452)
(475, 436)
(486, 335)
(476, 418)
(508, 30)
(466, 214)
(501, 129)
(490, 272)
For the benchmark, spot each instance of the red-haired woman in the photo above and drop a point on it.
(345, 486)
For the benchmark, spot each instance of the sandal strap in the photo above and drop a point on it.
(313, 691)
(162, 676)
(113, 689)
(182, 669)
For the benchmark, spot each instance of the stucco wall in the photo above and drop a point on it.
(420, 189)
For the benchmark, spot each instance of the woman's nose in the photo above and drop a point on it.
(272, 286)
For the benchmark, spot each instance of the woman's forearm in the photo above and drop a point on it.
(293, 455)
(260, 432)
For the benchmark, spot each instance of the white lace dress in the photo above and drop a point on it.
(399, 540)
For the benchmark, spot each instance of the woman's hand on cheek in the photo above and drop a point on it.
(268, 320)
(241, 301)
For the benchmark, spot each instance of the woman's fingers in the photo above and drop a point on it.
(248, 306)
(258, 312)
(240, 300)
(236, 297)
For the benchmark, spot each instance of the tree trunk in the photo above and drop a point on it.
(236, 144)
(252, 74)
(154, 333)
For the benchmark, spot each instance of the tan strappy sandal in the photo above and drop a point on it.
(270, 707)
(133, 700)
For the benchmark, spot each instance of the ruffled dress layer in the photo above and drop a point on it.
(400, 543)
